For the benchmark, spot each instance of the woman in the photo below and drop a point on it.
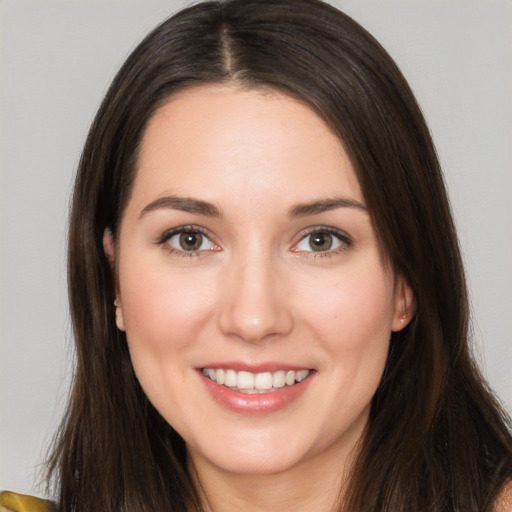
(267, 294)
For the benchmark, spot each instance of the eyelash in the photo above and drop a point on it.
(342, 237)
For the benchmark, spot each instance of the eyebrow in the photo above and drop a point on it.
(191, 205)
(324, 205)
(184, 204)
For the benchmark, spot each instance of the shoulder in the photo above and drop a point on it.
(14, 502)
(504, 500)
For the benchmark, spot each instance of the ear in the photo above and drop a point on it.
(109, 247)
(110, 252)
(405, 304)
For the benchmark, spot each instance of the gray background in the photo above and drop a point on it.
(56, 60)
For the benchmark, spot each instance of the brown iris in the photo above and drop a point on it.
(190, 241)
(320, 241)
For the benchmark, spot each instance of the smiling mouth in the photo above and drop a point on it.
(252, 383)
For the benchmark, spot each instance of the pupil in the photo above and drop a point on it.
(190, 241)
(321, 241)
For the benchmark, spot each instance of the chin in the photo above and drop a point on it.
(250, 454)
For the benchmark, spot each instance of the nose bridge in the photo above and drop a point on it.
(254, 305)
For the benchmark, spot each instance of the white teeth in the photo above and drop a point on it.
(230, 379)
(278, 379)
(290, 378)
(263, 381)
(219, 377)
(255, 382)
(245, 380)
(301, 375)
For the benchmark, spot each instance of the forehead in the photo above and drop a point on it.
(212, 139)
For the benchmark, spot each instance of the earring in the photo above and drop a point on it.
(402, 320)
(116, 303)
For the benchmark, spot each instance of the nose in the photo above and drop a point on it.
(255, 301)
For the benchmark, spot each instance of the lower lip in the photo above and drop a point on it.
(257, 403)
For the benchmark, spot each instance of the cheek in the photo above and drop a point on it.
(360, 302)
(355, 338)
(351, 316)
(163, 309)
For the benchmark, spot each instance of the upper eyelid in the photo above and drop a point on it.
(183, 229)
(323, 229)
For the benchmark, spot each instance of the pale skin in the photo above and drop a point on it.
(287, 272)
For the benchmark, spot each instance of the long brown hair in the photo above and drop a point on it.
(436, 440)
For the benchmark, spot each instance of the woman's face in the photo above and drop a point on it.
(257, 306)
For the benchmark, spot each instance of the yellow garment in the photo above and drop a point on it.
(13, 502)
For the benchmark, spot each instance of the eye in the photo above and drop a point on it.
(187, 239)
(323, 240)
